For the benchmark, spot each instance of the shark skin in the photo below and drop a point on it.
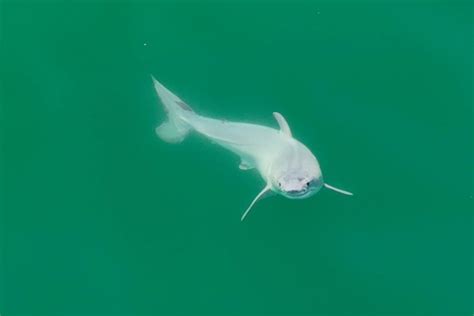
(286, 165)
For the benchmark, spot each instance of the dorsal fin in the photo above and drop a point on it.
(284, 127)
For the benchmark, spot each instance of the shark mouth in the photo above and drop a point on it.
(296, 194)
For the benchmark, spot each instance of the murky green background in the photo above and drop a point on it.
(98, 216)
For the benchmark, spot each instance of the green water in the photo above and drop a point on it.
(98, 216)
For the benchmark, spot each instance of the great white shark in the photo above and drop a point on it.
(286, 165)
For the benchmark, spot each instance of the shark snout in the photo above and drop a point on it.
(298, 188)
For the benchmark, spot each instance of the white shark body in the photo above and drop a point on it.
(287, 166)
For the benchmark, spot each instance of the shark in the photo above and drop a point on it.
(286, 165)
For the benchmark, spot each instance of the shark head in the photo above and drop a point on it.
(298, 185)
(296, 173)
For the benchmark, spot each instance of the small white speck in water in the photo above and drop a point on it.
(145, 44)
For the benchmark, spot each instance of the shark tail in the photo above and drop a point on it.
(176, 127)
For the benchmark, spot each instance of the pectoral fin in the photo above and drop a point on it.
(245, 164)
(337, 190)
(267, 191)
(284, 127)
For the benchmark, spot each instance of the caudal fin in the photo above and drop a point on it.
(176, 127)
